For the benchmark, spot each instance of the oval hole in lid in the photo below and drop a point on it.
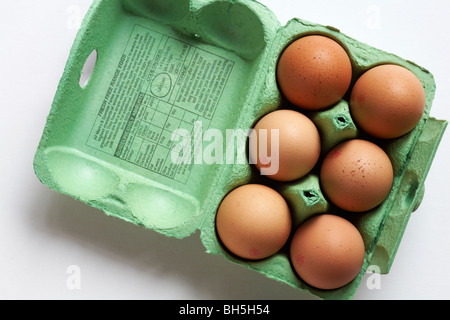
(88, 69)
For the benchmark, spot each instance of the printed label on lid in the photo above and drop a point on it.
(161, 84)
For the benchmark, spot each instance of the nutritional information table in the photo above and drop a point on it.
(160, 85)
(149, 142)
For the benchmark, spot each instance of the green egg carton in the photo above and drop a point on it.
(195, 65)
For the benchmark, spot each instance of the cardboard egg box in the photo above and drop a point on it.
(163, 65)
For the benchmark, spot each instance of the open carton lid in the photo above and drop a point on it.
(110, 143)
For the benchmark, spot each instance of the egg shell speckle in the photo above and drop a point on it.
(357, 175)
(314, 72)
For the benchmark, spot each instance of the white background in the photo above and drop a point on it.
(43, 233)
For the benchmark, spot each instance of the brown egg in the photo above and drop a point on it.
(356, 175)
(296, 151)
(314, 72)
(327, 251)
(387, 101)
(253, 221)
